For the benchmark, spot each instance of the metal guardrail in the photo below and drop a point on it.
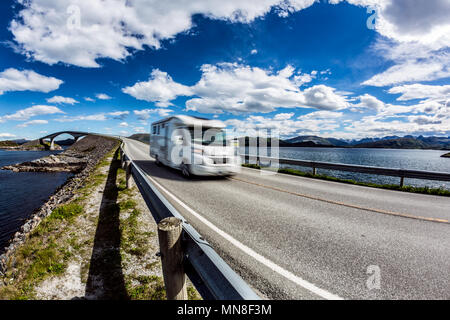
(209, 273)
(401, 173)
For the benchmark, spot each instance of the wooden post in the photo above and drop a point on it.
(402, 180)
(169, 234)
(127, 173)
(314, 171)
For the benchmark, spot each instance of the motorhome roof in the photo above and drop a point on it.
(191, 121)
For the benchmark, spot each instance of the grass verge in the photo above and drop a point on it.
(49, 247)
(106, 232)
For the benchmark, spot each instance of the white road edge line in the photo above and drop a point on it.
(283, 272)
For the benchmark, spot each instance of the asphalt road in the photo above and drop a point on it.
(301, 238)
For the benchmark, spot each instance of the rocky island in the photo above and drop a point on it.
(446, 155)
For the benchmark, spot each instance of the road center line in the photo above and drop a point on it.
(273, 266)
(353, 206)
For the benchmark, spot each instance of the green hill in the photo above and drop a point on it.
(142, 137)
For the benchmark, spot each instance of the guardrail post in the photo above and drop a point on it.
(314, 171)
(127, 173)
(169, 234)
(402, 180)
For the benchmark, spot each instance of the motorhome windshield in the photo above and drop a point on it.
(209, 136)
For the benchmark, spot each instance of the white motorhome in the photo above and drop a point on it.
(196, 146)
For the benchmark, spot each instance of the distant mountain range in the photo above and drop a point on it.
(388, 142)
(19, 141)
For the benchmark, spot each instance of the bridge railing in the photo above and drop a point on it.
(210, 274)
(393, 172)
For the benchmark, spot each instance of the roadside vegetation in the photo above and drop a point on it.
(423, 190)
(102, 244)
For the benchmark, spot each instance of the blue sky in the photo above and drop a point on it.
(346, 69)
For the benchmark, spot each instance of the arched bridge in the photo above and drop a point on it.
(75, 134)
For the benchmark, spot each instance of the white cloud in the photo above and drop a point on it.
(53, 31)
(59, 99)
(368, 101)
(254, 51)
(301, 79)
(416, 37)
(283, 116)
(103, 96)
(123, 124)
(89, 99)
(7, 135)
(421, 91)
(25, 114)
(117, 115)
(427, 117)
(235, 88)
(229, 87)
(321, 115)
(314, 123)
(26, 80)
(32, 122)
(410, 125)
(324, 97)
(435, 66)
(146, 113)
(421, 21)
(160, 88)
(92, 117)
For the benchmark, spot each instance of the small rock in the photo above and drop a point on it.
(26, 227)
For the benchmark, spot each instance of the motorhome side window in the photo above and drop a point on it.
(154, 129)
(158, 130)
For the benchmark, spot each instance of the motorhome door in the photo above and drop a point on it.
(165, 136)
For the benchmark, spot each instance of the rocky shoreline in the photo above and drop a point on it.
(67, 161)
(81, 159)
